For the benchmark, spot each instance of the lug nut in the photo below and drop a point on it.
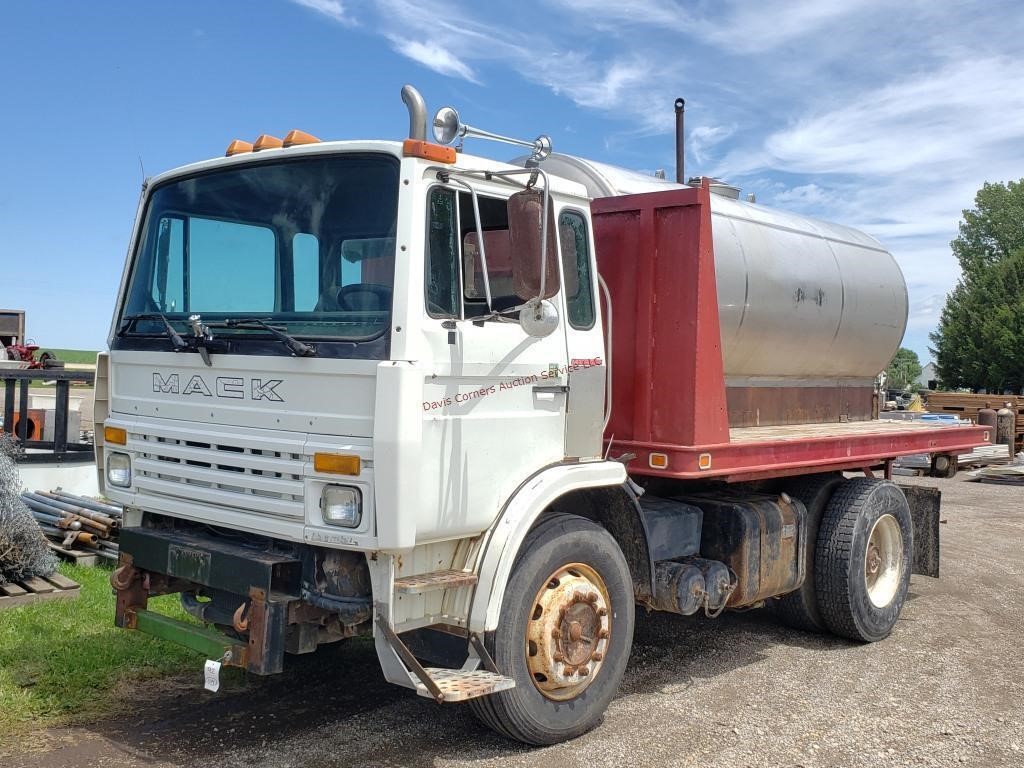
(603, 634)
(558, 657)
(602, 611)
(590, 597)
(584, 671)
(597, 656)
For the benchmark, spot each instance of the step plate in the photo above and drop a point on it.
(457, 685)
(430, 582)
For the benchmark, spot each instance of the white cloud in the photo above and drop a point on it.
(887, 117)
(706, 137)
(332, 9)
(435, 57)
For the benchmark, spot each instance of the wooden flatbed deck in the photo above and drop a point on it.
(754, 453)
(831, 431)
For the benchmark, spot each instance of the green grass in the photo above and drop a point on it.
(63, 661)
(71, 355)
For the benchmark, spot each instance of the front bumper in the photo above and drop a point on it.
(267, 584)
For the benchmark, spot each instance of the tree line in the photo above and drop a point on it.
(979, 342)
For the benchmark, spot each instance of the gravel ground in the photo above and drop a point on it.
(946, 689)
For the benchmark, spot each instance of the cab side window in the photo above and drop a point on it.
(579, 289)
(455, 260)
(442, 262)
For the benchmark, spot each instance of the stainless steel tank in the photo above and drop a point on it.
(802, 302)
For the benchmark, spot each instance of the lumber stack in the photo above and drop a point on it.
(966, 406)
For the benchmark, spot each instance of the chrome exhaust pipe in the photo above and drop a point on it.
(417, 113)
(680, 139)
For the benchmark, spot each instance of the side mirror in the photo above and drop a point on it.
(530, 257)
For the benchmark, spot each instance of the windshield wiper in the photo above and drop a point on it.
(179, 344)
(298, 348)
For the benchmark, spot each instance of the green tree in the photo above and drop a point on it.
(903, 370)
(979, 342)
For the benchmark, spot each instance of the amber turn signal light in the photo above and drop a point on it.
(115, 435)
(336, 463)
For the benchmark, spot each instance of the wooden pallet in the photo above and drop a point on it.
(53, 587)
(83, 557)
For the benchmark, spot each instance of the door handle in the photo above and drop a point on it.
(553, 388)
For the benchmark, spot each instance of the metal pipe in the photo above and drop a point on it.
(59, 522)
(96, 506)
(417, 112)
(89, 539)
(105, 520)
(680, 171)
(101, 529)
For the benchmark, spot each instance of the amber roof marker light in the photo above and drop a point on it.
(296, 137)
(266, 141)
(238, 147)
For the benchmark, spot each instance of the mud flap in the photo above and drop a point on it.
(924, 511)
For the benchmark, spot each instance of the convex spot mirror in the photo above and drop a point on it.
(525, 225)
(539, 318)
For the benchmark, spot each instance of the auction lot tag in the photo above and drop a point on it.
(212, 674)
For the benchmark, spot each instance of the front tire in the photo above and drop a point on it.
(564, 634)
(863, 559)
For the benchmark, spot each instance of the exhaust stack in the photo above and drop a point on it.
(680, 107)
(417, 113)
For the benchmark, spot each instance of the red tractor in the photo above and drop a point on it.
(26, 353)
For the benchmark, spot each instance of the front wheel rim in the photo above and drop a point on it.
(883, 561)
(568, 633)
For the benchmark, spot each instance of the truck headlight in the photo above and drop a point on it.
(119, 470)
(342, 505)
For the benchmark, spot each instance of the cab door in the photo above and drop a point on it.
(494, 409)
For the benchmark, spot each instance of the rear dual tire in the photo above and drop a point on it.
(863, 559)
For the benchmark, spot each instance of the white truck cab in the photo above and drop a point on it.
(339, 351)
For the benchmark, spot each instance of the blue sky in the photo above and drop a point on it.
(882, 115)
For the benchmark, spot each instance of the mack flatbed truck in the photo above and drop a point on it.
(482, 411)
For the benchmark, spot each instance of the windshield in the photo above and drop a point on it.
(307, 244)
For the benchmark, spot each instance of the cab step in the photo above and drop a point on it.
(431, 582)
(441, 683)
(461, 685)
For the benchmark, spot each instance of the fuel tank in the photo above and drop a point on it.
(802, 302)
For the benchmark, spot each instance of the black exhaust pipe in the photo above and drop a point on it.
(680, 107)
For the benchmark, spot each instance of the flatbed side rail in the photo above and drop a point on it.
(850, 447)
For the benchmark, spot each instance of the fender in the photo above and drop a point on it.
(517, 517)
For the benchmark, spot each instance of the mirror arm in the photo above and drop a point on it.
(544, 241)
(479, 239)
